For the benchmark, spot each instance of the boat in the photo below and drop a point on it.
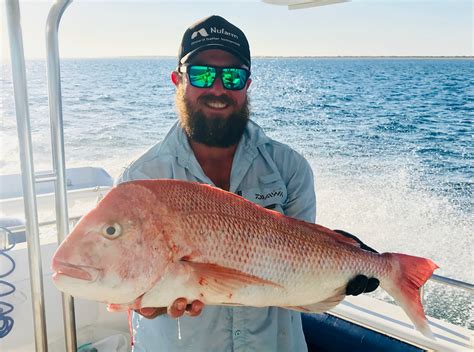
(34, 315)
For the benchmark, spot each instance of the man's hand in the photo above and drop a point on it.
(361, 283)
(179, 307)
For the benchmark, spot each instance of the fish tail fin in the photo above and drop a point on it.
(408, 274)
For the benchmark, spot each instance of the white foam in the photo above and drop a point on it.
(390, 209)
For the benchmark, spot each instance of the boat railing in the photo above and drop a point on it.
(29, 180)
(18, 229)
(17, 55)
(453, 282)
(58, 152)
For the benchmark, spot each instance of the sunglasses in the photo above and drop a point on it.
(232, 78)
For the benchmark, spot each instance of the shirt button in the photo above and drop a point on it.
(237, 333)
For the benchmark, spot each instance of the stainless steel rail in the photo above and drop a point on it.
(452, 282)
(46, 178)
(21, 228)
(27, 170)
(57, 145)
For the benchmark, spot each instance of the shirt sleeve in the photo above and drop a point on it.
(125, 176)
(301, 201)
(134, 171)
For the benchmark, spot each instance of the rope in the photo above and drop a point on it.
(6, 288)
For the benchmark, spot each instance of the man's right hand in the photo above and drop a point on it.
(179, 307)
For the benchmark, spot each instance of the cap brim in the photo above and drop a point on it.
(215, 46)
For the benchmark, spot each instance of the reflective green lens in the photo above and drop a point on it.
(202, 76)
(234, 78)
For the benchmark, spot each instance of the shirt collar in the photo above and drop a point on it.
(246, 151)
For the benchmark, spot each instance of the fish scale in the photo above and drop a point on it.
(254, 251)
(277, 249)
(176, 239)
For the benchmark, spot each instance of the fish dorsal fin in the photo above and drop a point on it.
(222, 279)
(343, 239)
(327, 233)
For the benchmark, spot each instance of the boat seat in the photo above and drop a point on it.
(325, 332)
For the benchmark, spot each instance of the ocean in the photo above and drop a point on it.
(390, 142)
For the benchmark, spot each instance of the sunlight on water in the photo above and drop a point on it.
(390, 212)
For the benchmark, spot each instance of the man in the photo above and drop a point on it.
(216, 143)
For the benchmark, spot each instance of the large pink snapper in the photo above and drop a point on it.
(149, 242)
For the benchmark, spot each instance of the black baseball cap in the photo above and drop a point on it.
(214, 32)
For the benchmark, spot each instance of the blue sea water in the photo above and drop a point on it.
(390, 141)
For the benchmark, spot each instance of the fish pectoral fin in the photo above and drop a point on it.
(320, 307)
(123, 307)
(222, 279)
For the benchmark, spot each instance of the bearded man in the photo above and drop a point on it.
(215, 142)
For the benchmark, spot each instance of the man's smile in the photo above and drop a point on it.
(214, 104)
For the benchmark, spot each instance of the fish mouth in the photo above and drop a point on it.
(80, 272)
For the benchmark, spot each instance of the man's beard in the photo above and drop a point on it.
(213, 131)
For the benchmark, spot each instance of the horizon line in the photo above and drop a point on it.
(276, 56)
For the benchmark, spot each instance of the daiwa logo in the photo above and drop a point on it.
(269, 195)
(202, 32)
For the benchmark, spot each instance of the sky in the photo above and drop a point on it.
(154, 28)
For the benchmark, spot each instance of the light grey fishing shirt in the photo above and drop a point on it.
(265, 172)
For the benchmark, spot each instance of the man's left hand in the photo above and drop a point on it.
(361, 283)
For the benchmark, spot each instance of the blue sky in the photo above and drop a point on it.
(154, 28)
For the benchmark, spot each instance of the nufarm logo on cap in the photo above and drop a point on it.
(223, 31)
(202, 32)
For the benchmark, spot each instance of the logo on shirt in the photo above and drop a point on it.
(272, 194)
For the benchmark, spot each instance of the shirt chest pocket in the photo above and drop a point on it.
(270, 192)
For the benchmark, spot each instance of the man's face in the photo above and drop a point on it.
(212, 116)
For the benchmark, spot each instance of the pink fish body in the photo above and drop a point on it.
(149, 242)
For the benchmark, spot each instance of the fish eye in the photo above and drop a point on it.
(112, 232)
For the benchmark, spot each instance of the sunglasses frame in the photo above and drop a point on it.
(219, 72)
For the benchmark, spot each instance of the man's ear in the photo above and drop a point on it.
(248, 83)
(175, 78)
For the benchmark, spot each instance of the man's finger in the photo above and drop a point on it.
(151, 313)
(357, 285)
(177, 308)
(372, 285)
(195, 308)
